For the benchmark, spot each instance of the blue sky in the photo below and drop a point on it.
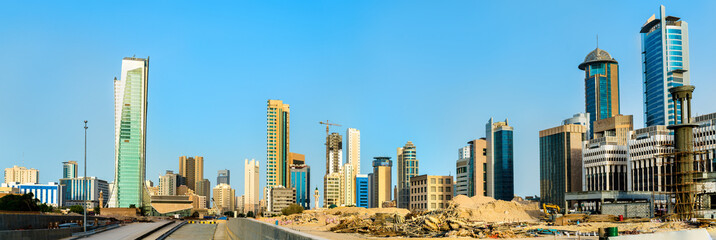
(431, 72)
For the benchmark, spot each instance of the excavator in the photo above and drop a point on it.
(552, 211)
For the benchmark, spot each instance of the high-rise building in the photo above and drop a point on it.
(583, 119)
(407, 168)
(370, 190)
(430, 192)
(301, 182)
(130, 131)
(203, 188)
(251, 185)
(224, 197)
(362, 190)
(21, 175)
(296, 158)
(648, 159)
(277, 143)
(192, 170)
(347, 185)
(560, 162)
(614, 127)
(223, 176)
(461, 171)
(168, 184)
(75, 191)
(381, 180)
(69, 169)
(500, 160)
(665, 64)
(334, 153)
(601, 85)
(471, 169)
(332, 189)
(353, 148)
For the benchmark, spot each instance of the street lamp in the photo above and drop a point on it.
(85, 184)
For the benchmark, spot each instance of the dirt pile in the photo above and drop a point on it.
(487, 209)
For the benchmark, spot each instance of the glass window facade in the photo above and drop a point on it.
(362, 191)
(503, 165)
(301, 181)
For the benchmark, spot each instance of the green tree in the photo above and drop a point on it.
(292, 209)
(96, 210)
(250, 214)
(24, 202)
(229, 213)
(77, 209)
(332, 206)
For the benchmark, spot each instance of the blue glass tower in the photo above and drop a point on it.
(601, 86)
(362, 190)
(500, 159)
(665, 64)
(301, 180)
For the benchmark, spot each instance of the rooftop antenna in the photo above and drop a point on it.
(597, 40)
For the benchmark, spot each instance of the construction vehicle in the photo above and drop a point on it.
(552, 211)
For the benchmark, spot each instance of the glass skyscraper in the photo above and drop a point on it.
(278, 117)
(601, 86)
(500, 159)
(665, 58)
(130, 126)
(362, 189)
(301, 181)
(407, 168)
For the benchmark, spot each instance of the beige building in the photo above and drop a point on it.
(332, 189)
(617, 126)
(281, 198)
(407, 168)
(381, 181)
(251, 186)
(430, 192)
(203, 188)
(561, 162)
(224, 198)
(277, 144)
(347, 186)
(21, 175)
(353, 154)
(168, 184)
(192, 169)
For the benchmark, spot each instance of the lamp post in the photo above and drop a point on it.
(84, 184)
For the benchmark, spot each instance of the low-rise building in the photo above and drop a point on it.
(50, 193)
(280, 198)
(429, 192)
(73, 191)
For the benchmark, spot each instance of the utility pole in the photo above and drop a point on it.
(85, 184)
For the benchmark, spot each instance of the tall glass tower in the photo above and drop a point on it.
(130, 131)
(500, 160)
(407, 168)
(601, 86)
(665, 58)
(278, 116)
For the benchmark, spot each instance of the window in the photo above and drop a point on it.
(432, 180)
(441, 197)
(448, 197)
(432, 197)
(432, 189)
(447, 181)
(440, 181)
(432, 205)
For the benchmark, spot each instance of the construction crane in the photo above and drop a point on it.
(328, 124)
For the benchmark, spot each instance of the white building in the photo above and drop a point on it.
(168, 184)
(462, 169)
(347, 185)
(251, 186)
(224, 197)
(605, 165)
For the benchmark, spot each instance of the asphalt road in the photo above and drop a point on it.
(194, 232)
(130, 231)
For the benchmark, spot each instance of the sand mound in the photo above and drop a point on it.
(487, 209)
(363, 211)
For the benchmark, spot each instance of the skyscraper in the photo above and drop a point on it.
(130, 131)
(601, 85)
(407, 168)
(500, 168)
(192, 170)
(21, 175)
(251, 185)
(560, 162)
(203, 188)
(347, 185)
(223, 176)
(665, 56)
(332, 189)
(353, 148)
(471, 169)
(168, 184)
(277, 143)
(334, 153)
(224, 197)
(381, 180)
(69, 169)
(362, 190)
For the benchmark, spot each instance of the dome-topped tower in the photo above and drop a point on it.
(598, 55)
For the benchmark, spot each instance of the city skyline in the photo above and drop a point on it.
(213, 133)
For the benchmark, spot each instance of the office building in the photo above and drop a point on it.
(21, 175)
(353, 148)
(280, 198)
(203, 188)
(277, 143)
(347, 185)
(500, 160)
(381, 180)
(407, 168)
(251, 185)
(471, 169)
(224, 198)
(617, 126)
(362, 189)
(301, 182)
(461, 171)
(429, 192)
(665, 64)
(648, 150)
(168, 184)
(50, 193)
(605, 165)
(583, 119)
(69, 169)
(223, 176)
(77, 190)
(334, 153)
(130, 126)
(560, 162)
(296, 158)
(601, 85)
(332, 189)
(191, 170)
